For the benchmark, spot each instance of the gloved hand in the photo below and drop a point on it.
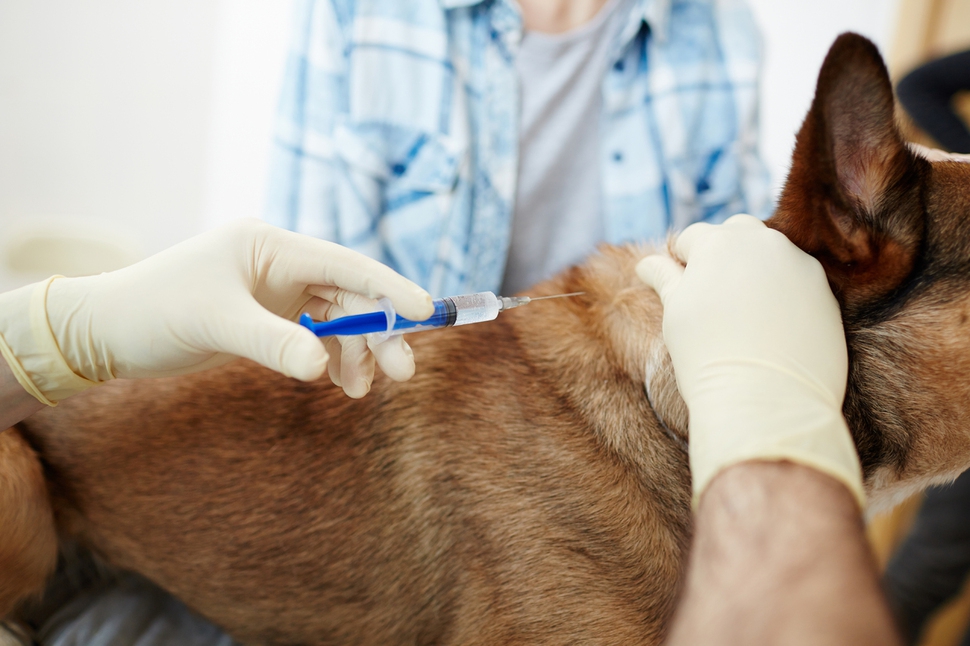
(232, 292)
(758, 350)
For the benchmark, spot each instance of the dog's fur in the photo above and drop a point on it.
(522, 487)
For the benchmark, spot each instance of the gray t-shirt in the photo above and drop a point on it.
(557, 219)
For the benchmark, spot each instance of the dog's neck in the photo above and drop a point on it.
(607, 354)
(907, 417)
(663, 395)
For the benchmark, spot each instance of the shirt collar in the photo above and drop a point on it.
(656, 13)
(456, 4)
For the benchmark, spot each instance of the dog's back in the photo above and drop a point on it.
(518, 489)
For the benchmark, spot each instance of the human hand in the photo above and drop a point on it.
(757, 345)
(232, 292)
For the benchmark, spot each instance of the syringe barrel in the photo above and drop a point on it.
(453, 310)
(475, 308)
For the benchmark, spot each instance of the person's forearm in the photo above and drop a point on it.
(16, 404)
(780, 557)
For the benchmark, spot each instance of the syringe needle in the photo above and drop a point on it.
(508, 302)
(542, 298)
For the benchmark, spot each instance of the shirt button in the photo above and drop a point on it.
(617, 156)
(618, 66)
(398, 169)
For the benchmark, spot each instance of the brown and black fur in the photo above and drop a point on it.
(524, 486)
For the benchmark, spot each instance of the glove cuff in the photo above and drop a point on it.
(844, 471)
(27, 343)
(784, 418)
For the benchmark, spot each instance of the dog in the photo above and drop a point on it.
(530, 484)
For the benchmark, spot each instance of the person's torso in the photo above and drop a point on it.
(557, 213)
(431, 128)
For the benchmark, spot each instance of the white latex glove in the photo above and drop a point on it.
(758, 350)
(232, 292)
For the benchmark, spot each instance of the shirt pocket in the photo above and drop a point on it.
(410, 180)
(401, 162)
(391, 167)
(430, 167)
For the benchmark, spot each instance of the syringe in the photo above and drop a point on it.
(451, 310)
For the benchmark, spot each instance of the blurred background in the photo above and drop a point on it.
(126, 126)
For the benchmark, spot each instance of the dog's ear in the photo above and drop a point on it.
(852, 195)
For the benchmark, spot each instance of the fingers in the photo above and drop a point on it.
(689, 237)
(358, 356)
(334, 349)
(662, 273)
(317, 262)
(354, 369)
(274, 342)
(695, 234)
(352, 365)
(337, 299)
(395, 357)
(356, 366)
(744, 220)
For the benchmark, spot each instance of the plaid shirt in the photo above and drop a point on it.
(398, 129)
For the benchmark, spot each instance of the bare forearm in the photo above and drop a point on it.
(16, 404)
(780, 557)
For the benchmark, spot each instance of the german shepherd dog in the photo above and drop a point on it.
(525, 486)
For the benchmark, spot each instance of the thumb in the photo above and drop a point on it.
(689, 238)
(274, 342)
(662, 273)
(697, 234)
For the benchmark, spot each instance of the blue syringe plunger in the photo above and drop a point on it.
(452, 310)
(448, 311)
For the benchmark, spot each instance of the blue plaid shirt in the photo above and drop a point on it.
(398, 129)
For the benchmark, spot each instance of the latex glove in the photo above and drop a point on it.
(758, 349)
(232, 292)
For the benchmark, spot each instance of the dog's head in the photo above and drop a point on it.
(892, 230)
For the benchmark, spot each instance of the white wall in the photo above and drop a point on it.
(152, 120)
(141, 122)
(104, 114)
(796, 36)
(250, 50)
